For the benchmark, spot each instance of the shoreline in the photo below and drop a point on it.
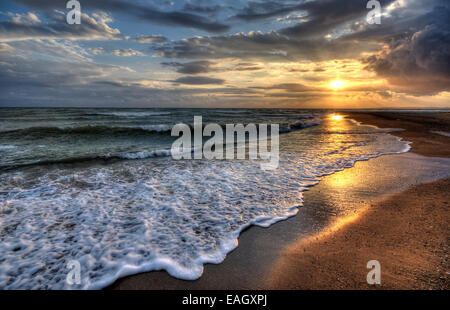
(418, 129)
(295, 260)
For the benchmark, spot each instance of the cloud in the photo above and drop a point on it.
(25, 19)
(415, 33)
(97, 50)
(202, 9)
(198, 80)
(41, 61)
(418, 63)
(258, 10)
(150, 39)
(194, 67)
(5, 48)
(206, 66)
(247, 66)
(146, 13)
(291, 87)
(291, 18)
(57, 73)
(64, 64)
(270, 46)
(126, 52)
(28, 26)
(116, 52)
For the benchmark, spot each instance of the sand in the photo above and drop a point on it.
(388, 215)
(407, 233)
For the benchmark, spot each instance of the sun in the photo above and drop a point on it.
(336, 117)
(336, 84)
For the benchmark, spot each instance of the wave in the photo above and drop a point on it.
(230, 111)
(299, 124)
(157, 128)
(92, 158)
(131, 114)
(7, 147)
(146, 154)
(90, 130)
(130, 130)
(304, 123)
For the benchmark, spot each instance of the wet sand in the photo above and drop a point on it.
(375, 210)
(407, 233)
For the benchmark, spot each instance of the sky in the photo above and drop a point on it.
(225, 54)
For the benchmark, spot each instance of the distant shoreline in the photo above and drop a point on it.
(418, 129)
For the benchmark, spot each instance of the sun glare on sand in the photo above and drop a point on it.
(336, 117)
(336, 84)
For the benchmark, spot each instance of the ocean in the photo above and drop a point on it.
(99, 186)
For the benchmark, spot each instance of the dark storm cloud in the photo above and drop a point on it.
(257, 10)
(320, 16)
(304, 41)
(205, 66)
(148, 13)
(194, 67)
(198, 80)
(325, 16)
(419, 62)
(401, 23)
(265, 46)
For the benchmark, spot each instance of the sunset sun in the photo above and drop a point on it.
(336, 117)
(336, 84)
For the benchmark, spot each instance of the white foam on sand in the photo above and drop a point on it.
(134, 216)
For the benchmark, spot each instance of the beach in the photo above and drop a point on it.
(197, 145)
(395, 210)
